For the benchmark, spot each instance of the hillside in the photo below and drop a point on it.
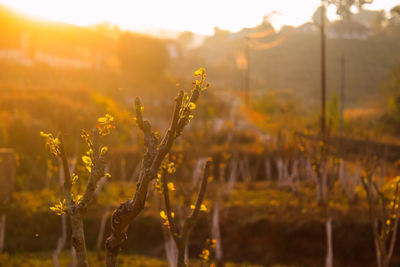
(290, 59)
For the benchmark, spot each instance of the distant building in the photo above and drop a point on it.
(347, 29)
(366, 17)
(27, 56)
(61, 62)
(15, 55)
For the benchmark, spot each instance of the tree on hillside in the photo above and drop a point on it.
(393, 26)
(343, 7)
(379, 21)
(383, 208)
(391, 118)
(185, 38)
(396, 10)
(316, 17)
(325, 173)
(141, 55)
(8, 171)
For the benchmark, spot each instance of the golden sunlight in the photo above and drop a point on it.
(264, 132)
(175, 14)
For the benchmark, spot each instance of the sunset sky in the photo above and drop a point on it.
(197, 16)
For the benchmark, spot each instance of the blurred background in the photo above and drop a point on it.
(302, 119)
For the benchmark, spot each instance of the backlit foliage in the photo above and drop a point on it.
(52, 143)
(59, 208)
(105, 125)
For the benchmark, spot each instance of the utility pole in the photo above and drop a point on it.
(342, 79)
(323, 71)
(247, 72)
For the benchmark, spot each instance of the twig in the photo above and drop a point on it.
(95, 175)
(168, 209)
(67, 177)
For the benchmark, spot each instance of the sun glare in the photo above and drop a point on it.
(175, 14)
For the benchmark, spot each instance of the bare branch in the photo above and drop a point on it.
(169, 137)
(150, 139)
(394, 236)
(370, 208)
(78, 237)
(189, 222)
(168, 209)
(96, 173)
(365, 185)
(186, 112)
(67, 176)
(139, 115)
(383, 208)
(396, 191)
(396, 222)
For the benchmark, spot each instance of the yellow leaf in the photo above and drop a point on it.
(205, 253)
(171, 168)
(109, 117)
(102, 119)
(171, 186)
(202, 207)
(104, 150)
(87, 160)
(199, 72)
(163, 215)
(74, 178)
(76, 198)
(191, 106)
